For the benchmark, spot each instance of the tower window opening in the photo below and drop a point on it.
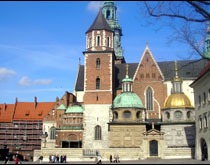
(108, 14)
(108, 42)
(98, 83)
(98, 63)
(98, 40)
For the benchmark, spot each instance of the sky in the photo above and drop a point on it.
(41, 43)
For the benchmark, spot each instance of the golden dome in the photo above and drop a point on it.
(177, 100)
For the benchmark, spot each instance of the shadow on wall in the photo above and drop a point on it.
(190, 138)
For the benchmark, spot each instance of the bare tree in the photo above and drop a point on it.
(187, 19)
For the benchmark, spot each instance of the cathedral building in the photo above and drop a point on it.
(136, 110)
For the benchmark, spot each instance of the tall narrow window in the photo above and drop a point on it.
(97, 132)
(204, 98)
(108, 42)
(149, 99)
(98, 63)
(98, 83)
(52, 133)
(199, 100)
(90, 42)
(98, 40)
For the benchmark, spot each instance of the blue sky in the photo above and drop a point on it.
(41, 43)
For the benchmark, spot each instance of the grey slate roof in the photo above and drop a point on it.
(100, 23)
(188, 69)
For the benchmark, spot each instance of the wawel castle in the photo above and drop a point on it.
(137, 110)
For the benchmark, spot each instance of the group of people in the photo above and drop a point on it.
(116, 159)
(57, 159)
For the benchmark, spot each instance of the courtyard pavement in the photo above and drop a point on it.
(147, 161)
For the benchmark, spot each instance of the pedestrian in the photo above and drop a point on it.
(16, 160)
(50, 160)
(110, 158)
(99, 159)
(117, 159)
(41, 159)
(6, 160)
(64, 159)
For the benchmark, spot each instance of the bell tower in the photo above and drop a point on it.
(99, 63)
(98, 83)
(109, 10)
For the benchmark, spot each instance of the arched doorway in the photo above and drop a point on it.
(204, 150)
(153, 146)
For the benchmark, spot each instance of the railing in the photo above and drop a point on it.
(90, 152)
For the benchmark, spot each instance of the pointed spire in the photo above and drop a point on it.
(127, 71)
(100, 23)
(176, 69)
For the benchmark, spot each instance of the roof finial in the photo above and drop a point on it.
(176, 69)
(127, 71)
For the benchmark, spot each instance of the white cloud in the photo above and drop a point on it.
(6, 73)
(24, 81)
(94, 6)
(42, 81)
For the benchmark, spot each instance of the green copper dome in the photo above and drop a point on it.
(61, 107)
(74, 109)
(127, 100)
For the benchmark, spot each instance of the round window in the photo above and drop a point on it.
(127, 114)
(178, 114)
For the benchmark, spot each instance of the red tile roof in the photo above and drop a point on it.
(27, 110)
(6, 112)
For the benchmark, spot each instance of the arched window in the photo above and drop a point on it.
(108, 14)
(127, 114)
(52, 133)
(149, 99)
(115, 115)
(98, 83)
(97, 132)
(98, 63)
(189, 114)
(178, 114)
(167, 115)
(98, 40)
(138, 115)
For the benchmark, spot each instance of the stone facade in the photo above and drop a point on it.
(201, 88)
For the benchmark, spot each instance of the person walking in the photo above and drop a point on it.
(41, 159)
(99, 159)
(110, 158)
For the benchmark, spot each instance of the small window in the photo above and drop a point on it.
(127, 114)
(205, 121)
(189, 114)
(98, 63)
(97, 132)
(204, 98)
(115, 115)
(167, 115)
(178, 114)
(98, 40)
(90, 42)
(138, 115)
(142, 76)
(52, 133)
(98, 83)
(199, 100)
(153, 75)
(108, 41)
(200, 123)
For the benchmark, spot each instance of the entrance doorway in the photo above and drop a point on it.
(204, 150)
(71, 144)
(153, 145)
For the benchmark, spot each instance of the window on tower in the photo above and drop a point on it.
(108, 14)
(98, 40)
(97, 132)
(98, 63)
(108, 42)
(98, 83)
